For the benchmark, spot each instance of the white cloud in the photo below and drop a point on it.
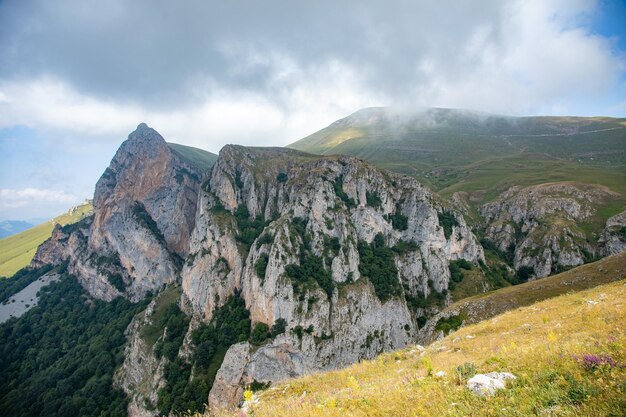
(12, 199)
(28, 203)
(528, 57)
(536, 59)
(48, 103)
(301, 101)
(213, 75)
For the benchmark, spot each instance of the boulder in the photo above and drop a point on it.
(488, 384)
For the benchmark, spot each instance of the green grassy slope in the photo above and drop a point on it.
(453, 150)
(198, 158)
(17, 251)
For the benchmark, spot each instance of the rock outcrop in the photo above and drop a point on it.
(144, 212)
(141, 374)
(539, 227)
(281, 207)
(613, 238)
(487, 384)
(294, 234)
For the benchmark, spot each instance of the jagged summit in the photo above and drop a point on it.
(145, 133)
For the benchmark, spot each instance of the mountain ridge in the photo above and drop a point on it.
(317, 261)
(444, 147)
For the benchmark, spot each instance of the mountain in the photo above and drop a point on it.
(339, 259)
(144, 213)
(540, 190)
(454, 150)
(17, 251)
(198, 275)
(11, 227)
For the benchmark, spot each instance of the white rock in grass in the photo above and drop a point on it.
(488, 384)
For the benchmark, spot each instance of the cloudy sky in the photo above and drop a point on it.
(77, 76)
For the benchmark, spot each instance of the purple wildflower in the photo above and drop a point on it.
(590, 361)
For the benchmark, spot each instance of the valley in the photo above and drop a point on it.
(218, 275)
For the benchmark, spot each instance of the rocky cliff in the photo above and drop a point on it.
(543, 228)
(347, 260)
(347, 256)
(613, 238)
(144, 211)
(269, 216)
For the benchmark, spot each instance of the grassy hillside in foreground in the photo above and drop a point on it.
(17, 251)
(568, 353)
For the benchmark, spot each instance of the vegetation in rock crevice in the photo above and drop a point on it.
(421, 301)
(377, 263)
(248, 229)
(189, 382)
(311, 270)
(117, 282)
(261, 266)
(373, 199)
(338, 188)
(143, 217)
(456, 273)
(447, 220)
(398, 220)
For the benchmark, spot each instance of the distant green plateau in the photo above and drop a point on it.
(483, 154)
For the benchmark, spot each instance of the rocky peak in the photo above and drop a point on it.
(613, 238)
(144, 150)
(144, 214)
(267, 213)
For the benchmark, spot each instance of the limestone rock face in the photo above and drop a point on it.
(227, 388)
(59, 246)
(539, 226)
(146, 171)
(260, 215)
(141, 374)
(144, 213)
(613, 238)
(323, 206)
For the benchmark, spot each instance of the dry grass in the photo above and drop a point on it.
(541, 344)
(487, 305)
